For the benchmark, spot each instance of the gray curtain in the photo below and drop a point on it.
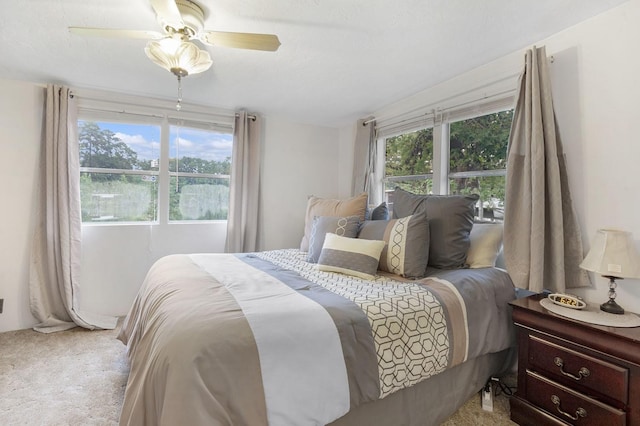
(364, 156)
(242, 222)
(55, 256)
(542, 239)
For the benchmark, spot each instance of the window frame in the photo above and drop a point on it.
(104, 109)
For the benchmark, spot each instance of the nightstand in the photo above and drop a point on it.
(572, 372)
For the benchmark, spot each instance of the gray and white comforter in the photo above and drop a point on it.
(265, 338)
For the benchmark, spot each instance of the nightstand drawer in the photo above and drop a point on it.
(570, 406)
(579, 371)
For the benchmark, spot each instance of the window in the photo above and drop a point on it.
(471, 153)
(152, 169)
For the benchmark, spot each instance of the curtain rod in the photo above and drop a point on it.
(163, 108)
(453, 97)
(124, 111)
(252, 117)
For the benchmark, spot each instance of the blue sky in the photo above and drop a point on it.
(184, 142)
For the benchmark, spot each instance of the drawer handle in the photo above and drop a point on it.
(580, 412)
(582, 373)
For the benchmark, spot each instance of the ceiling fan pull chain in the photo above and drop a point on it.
(178, 105)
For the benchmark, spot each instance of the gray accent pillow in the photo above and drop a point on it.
(343, 226)
(380, 212)
(450, 221)
(406, 252)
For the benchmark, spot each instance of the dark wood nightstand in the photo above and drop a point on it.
(572, 372)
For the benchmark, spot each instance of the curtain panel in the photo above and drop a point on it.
(54, 278)
(364, 157)
(244, 197)
(542, 239)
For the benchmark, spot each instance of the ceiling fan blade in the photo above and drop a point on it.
(114, 33)
(268, 42)
(168, 13)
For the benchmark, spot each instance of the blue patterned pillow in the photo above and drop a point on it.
(407, 250)
(350, 256)
(343, 226)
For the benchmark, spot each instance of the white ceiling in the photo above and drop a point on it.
(339, 59)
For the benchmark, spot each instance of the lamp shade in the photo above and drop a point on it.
(613, 254)
(180, 57)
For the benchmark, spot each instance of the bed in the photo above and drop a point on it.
(275, 338)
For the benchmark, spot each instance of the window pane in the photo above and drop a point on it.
(107, 197)
(491, 191)
(119, 146)
(199, 151)
(480, 143)
(205, 153)
(410, 154)
(409, 163)
(478, 146)
(195, 198)
(118, 197)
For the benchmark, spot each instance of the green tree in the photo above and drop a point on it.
(477, 144)
(102, 148)
(411, 154)
(480, 143)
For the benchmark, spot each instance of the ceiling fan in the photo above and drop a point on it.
(185, 19)
(182, 22)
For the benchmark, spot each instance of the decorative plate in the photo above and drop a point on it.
(567, 300)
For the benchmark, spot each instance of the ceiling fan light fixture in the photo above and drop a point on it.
(180, 57)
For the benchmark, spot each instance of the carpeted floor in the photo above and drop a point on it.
(78, 377)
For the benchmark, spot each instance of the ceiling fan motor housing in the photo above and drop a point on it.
(192, 17)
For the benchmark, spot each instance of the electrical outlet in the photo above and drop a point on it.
(487, 397)
(1, 305)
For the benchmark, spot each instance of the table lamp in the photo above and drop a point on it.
(613, 255)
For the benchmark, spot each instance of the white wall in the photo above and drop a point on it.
(299, 160)
(20, 127)
(596, 94)
(115, 258)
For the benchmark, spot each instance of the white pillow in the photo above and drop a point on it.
(351, 256)
(486, 242)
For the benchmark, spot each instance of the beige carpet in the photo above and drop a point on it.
(77, 377)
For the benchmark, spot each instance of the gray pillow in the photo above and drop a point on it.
(380, 212)
(342, 226)
(406, 252)
(450, 221)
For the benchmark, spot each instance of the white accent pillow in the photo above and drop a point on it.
(486, 242)
(351, 256)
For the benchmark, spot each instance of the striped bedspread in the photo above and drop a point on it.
(265, 338)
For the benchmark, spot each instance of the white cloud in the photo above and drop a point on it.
(205, 145)
(146, 150)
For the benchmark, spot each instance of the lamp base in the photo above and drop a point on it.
(612, 307)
